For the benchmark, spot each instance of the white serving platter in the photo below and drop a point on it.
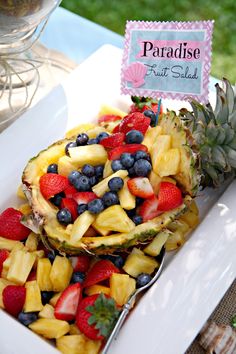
(194, 280)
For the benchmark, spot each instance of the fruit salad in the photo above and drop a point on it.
(97, 209)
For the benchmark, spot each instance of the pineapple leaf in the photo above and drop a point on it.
(229, 95)
(229, 132)
(221, 109)
(211, 132)
(231, 155)
(232, 120)
(221, 135)
(219, 157)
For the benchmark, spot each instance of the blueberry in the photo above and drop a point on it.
(142, 168)
(150, 114)
(88, 170)
(127, 160)
(93, 180)
(72, 144)
(131, 212)
(117, 260)
(101, 136)
(51, 256)
(134, 137)
(81, 208)
(116, 165)
(110, 198)
(53, 168)
(141, 155)
(77, 277)
(73, 176)
(64, 216)
(131, 172)
(82, 139)
(27, 318)
(139, 201)
(115, 184)
(92, 141)
(143, 279)
(99, 170)
(82, 184)
(137, 219)
(46, 296)
(56, 200)
(96, 206)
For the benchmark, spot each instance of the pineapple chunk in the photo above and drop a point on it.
(115, 218)
(25, 209)
(162, 144)
(127, 199)
(3, 284)
(102, 187)
(50, 328)
(179, 225)
(194, 208)
(43, 274)
(54, 299)
(74, 329)
(81, 128)
(110, 126)
(77, 344)
(65, 166)
(155, 181)
(102, 231)
(107, 169)
(151, 136)
(174, 241)
(92, 133)
(190, 218)
(168, 163)
(32, 242)
(33, 300)
(47, 312)
(92, 346)
(21, 265)
(88, 154)
(122, 287)
(60, 274)
(106, 109)
(81, 225)
(154, 248)
(137, 263)
(97, 289)
(20, 194)
(6, 244)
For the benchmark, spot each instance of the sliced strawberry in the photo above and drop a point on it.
(67, 304)
(169, 196)
(52, 183)
(70, 191)
(140, 187)
(13, 297)
(4, 254)
(11, 226)
(71, 205)
(101, 270)
(84, 197)
(113, 140)
(116, 129)
(137, 121)
(108, 118)
(80, 263)
(115, 153)
(148, 210)
(32, 275)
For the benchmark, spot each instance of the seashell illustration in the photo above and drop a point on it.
(135, 74)
(218, 339)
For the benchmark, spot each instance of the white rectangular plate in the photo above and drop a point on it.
(173, 311)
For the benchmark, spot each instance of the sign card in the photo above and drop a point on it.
(167, 59)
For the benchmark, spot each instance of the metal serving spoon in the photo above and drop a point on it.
(127, 307)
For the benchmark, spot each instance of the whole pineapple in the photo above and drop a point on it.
(214, 135)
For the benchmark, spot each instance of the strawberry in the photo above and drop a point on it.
(113, 140)
(100, 271)
(84, 197)
(80, 263)
(96, 316)
(4, 254)
(148, 210)
(13, 297)
(116, 129)
(107, 118)
(142, 104)
(115, 153)
(10, 225)
(169, 196)
(137, 121)
(70, 191)
(140, 187)
(32, 275)
(52, 183)
(67, 304)
(71, 205)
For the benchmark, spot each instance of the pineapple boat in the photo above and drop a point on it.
(110, 186)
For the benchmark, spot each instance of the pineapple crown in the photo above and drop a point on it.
(214, 132)
(140, 102)
(104, 314)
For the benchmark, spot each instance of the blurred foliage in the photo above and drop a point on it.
(113, 15)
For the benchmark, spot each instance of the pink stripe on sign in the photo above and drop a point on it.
(171, 50)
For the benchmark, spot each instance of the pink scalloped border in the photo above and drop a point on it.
(195, 25)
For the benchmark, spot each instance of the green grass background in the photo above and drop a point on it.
(114, 13)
